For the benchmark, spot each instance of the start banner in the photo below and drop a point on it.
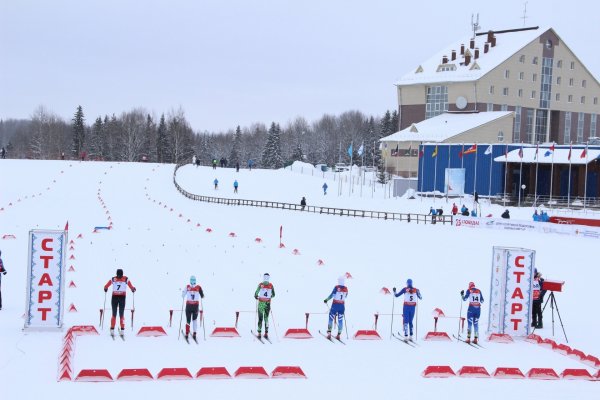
(45, 279)
(511, 292)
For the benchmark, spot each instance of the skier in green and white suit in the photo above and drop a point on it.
(264, 293)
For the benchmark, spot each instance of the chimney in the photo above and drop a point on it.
(462, 49)
(445, 60)
(472, 44)
(467, 59)
(493, 41)
(476, 53)
(453, 55)
(486, 47)
(490, 36)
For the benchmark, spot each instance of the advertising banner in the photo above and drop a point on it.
(455, 181)
(511, 291)
(45, 279)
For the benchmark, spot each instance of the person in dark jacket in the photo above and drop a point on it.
(505, 214)
(119, 284)
(538, 299)
(2, 272)
(303, 203)
(464, 211)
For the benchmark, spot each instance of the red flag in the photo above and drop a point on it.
(552, 147)
(67, 226)
(521, 153)
(583, 153)
(421, 153)
(569, 156)
(471, 149)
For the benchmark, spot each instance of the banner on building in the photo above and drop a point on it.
(511, 291)
(455, 181)
(45, 279)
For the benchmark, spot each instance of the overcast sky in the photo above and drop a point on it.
(230, 62)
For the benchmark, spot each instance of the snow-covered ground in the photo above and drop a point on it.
(159, 249)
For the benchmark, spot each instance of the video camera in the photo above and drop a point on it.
(553, 286)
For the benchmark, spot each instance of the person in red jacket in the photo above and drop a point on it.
(192, 295)
(119, 285)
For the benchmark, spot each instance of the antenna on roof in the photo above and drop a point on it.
(524, 17)
(475, 24)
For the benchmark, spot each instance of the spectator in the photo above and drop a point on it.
(2, 272)
(235, 186)
(3, 152)
(454, 209)
(325, 188)
(303, 203)
(83, 155)
(544, 217)
(214, 163)
(506, 214)
(250, 164)
(464, 211)
(476, 197)
(536, 216)
(62, 155)
(194, 159)
(473, 213)
(222, 162)
(197, 161)
(216, 182)
(538, 299)
(432, 212)
(237, 166)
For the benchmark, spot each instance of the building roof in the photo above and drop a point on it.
(444, 126)
(507, 44)
(546, 156)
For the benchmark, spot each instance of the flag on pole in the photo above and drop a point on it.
(409, 150)
(506, 152)
(583, 153)
(434, 152)
(537, 148)
(350, 150)
(550, 151)
(421, 153)
(521, 153)
(488, 150)
(67, 226)
(472, 149)
(361, 149)
(569, 156)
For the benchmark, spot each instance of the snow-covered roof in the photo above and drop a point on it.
(546, 156)
(507, 44)
(444, 126)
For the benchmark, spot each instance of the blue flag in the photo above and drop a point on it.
(350, 150)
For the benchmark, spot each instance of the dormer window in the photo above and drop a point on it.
(446, 67)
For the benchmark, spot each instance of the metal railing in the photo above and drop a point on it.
(418, 218)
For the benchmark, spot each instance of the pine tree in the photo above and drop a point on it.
(162, 144)
(394, 121)
(149, 147)
(277, 158)
(78, 132)
(271, 157)
(96, 139)
(297, 154)
(235, 155)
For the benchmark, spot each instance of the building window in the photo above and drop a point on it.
(521, 76)
(505, 91)
(492, 89)
(595, 101)
(504, 107)
(534, 61)
(580, 121)
(582, 100)
(570, 99)
(541, 125)
(593, 123)
(490, 107)
(546, 85)
(567, 132)
(529, 126)
(559, 64)
(506, 74)
(436, 101)
(584, 83)
(572, 65)
(520, 93)
(534, 78)
(533, 94)
(558, 80)
(557, 96)
(517, 128)
(571, 81)
(522, 59)
(501, 136)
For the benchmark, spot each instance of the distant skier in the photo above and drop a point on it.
(216, 182)
(411, 294)
(194, 159)
(119, 285)
(475, 298)
(337, 310)
(237, 166)
(538, 299)
(264, 293)
(192, 294)
(214, 163)
(197, 161)
(235, 186)
(325, 188)
(2, 272)
(303, 203)
(250, 164)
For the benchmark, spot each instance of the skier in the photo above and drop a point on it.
(216, 182)
(119, 286)
(192, 294)
(214, 163)
(303, 203)
(325, 188)
(475, 298)
(337, 310)
(2, 272)
(410, 302)
(250, 164)
(538, 299)
(235, 186)
(237, 166)
(264, 293)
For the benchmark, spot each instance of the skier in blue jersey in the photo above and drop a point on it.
(475, 298)
(411, 294)
(338, 294)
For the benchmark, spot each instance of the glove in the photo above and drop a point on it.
(394, 290)
(133, 290)
(325, 301)
(256, 297)
(105, 290)
(462, 292)
(4, 272)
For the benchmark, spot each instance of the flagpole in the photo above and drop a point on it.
(520, 175)
(435, 173)
(422, 174)
(475, 176)
(490, 180)
(505, 173)
(448, 183)
(350, 178)
(462, 160)
(569, 185)
(586, 174)
(537, 165)
(551, 175)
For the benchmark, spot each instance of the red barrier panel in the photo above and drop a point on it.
(576, 354)
(473, 372)
(542, 373)
(84, 330)
(288, 372)
(500, 338)
(548, 343)
(213, 373)
(251, 373)
(225, 332)
(65, 376)
(367, 335)
(562, 349)
(533, 338)
(591, 361)
(574, 221)
(576, 373)
(135, 374)
(508, 373)
(94, 375)
(438, 371)
(300, 333)
(171, 374)
(437, 336)
(147, 331)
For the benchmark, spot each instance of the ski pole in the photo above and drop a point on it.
(392, 323)
(181, 317)
(459, 317)
(417, 321)
(132, 310)
(202, 319)
(274, 324)
(103, 311)
(346, 325)
(256, 314)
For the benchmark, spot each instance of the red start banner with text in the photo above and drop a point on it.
(511, 292)
(45, 279)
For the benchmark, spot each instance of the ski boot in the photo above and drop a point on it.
(329, 335)
(339, 336)
(266, 335)
(475, 340)
(112, 332)
(258, 335)
(468, 340)
(194, 336)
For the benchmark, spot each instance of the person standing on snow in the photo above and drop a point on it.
(216, 182)
(194, 159)
(411, 296)
(235, 186)
(454, 209)
(337, 310)
(2, 272)
(325, 188)
(192, 294)
(303, 203)
(264, 293)
(538, 299)
(119, 285)
(475, 298)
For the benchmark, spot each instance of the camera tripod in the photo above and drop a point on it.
(553, 305)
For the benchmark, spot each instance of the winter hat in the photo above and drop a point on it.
(409, 282)
(119, 273)
(341, 281)
(192, 280)
(266, 277)
(471, 285)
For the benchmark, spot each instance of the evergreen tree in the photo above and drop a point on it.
(149, 148)
(394, 121)
(297, 154)
(96, 139)
(271, 157)
(235, 154)
(78, 132)
(162, 144)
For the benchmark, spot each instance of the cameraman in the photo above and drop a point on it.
(538, 299)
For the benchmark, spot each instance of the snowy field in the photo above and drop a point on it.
(159, 249)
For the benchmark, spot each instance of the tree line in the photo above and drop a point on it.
(138, 135)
